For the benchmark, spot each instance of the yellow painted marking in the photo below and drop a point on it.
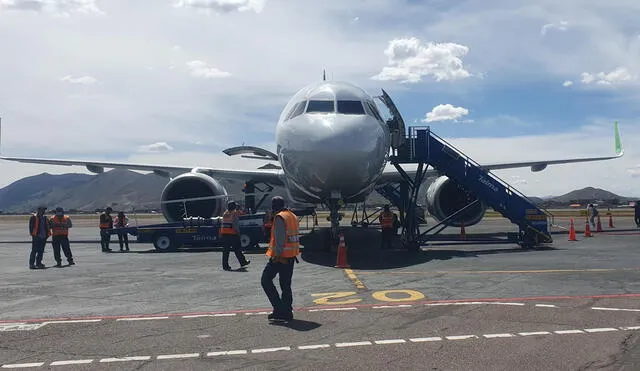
(594, 270)
(324, 300)
(412, 295)
(356, 281)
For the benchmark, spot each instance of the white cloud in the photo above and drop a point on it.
(223, 6)
(58, 7)
(567, 83)
(616, 76)
(561, 26)
(202, 70)
(83, 80)
(156, 147)
(410, 60)
(445, 112)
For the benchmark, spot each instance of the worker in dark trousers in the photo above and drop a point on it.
(284, 247)
(106, 222)
(388, 228)
(636, 216)
(60, 225)
(123, 237)
(39, 230)
(229, 233)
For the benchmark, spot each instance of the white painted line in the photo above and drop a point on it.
(392, 341)
(514, 304)
(332, 309)
(227, 314)
(616, 309)
(141, 318)
(319, 346)
(546, 305)
(354, 344)
(125, 359)
(561, 332)
(23, 365)
(601, 329)
(178, 356)
(21, 327)
(393, 306)
(420, 340)
(72, 362)
(534, 333)
(73, 321)
(226, 353)
(491, 336)
(266, 350)
(630, 328)
(256, 313)
(461, 337)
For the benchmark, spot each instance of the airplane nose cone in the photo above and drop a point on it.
(329, 152)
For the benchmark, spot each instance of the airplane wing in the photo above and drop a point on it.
(392, 175)
(271, 176)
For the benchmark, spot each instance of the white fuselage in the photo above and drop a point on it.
(331, 143)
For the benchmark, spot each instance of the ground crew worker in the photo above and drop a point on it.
(39, 230)
(592, 214)
(229, 233)
(60, 225)
(284, 246)
(636, 216)
(122, 221)
(106, 223)
(387, 219)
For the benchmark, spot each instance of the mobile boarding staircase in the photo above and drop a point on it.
(424, 148)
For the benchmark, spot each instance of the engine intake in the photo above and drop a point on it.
(193, 185)
(445, 197)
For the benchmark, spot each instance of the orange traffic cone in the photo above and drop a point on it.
(587, 229)
(341, 261)
(463, 234)
(611, 221)
(572, 231)
(599, 225)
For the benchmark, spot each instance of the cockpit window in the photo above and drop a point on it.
(374, 111)
(320, 106)
(297, 110)
(350, 107)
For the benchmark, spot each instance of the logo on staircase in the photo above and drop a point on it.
(488, 183)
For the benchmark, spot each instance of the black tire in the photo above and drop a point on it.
(245, 241)
(163, 243)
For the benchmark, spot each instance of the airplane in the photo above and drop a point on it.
(333, 148)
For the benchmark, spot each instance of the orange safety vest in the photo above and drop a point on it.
(36, 227)
(108, 223)
(227, 222)
(386, 220)
(60, 227)
(292, 240)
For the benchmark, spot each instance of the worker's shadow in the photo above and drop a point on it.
(297, 324)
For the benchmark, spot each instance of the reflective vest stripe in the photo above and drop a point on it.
(227, 222)
(36, 227)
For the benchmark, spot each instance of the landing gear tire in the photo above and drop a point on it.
(245, 241)
(163, 243)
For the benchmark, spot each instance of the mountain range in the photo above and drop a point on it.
(129, 190)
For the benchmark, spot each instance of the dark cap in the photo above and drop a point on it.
(231, 205)
(108, 208)
(386, 207)
(59, 209)
(42, 207)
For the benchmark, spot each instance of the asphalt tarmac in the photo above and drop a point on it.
(575, 305)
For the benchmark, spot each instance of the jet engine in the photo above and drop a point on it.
(445, 197)
(193, 185)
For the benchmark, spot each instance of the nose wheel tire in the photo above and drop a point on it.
(163, 243)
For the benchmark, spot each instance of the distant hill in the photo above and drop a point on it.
(126, 190)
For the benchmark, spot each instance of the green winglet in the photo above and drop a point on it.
(618, 141)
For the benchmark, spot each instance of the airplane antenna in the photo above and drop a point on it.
(324, 75)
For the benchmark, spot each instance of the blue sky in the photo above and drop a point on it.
(175, 82)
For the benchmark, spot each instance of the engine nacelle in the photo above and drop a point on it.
(445, 197)
(193, 185)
